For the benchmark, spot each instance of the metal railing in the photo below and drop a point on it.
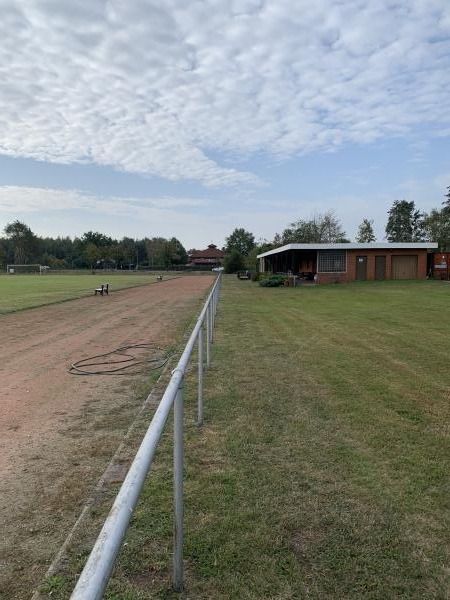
(96, 573)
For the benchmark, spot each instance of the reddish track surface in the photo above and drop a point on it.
(41, 401)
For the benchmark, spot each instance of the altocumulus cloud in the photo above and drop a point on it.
(185, 90)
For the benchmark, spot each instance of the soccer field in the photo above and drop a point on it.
(18, 292)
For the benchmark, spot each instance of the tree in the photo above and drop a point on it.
(446, 203)
(178, 253)
(234, 262)
(240, 240)
(2, 254)
(251, 260)
(365, 232)
(158, 252)
(25, 243)
(92, 253)
(405, 223)
(127, 251)
(95, 237)
(437, 227)
(320, 228)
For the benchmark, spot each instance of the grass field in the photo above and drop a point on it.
(322, 470)
(19, 292)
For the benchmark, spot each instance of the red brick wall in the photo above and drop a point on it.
(351, 265)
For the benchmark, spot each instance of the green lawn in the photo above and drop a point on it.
(18, 292)
(323, 467)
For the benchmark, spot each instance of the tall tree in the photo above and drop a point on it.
(24, 241)
(128, 251)
(240, 240)
(365, 232)
(405, 223)
(320, 228)
(437, 227)
(178, 254)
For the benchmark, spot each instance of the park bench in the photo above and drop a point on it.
(103, 289)
(244, 275)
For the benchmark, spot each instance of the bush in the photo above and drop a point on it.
(273, 281)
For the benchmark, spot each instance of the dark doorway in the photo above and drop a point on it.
(361, 268)
(380, 268)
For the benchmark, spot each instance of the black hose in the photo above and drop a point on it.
(152, 363)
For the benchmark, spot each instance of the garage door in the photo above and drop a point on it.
(404, 267)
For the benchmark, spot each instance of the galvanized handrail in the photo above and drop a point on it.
(96, 573)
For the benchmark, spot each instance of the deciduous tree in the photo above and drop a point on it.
(240, 240)
(437, 227)
(24, 241)
(320, 228)
(92, 254)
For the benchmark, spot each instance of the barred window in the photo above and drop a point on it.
(332, 261)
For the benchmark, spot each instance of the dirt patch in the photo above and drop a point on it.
(58, 431)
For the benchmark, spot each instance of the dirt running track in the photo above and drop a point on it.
(53, 423)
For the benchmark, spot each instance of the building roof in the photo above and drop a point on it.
(211, 252)
(355, 246)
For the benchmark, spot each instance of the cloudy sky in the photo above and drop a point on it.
(168, 117)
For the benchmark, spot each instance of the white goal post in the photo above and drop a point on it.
(31, 269)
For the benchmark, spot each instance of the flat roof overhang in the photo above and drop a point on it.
(350, 246)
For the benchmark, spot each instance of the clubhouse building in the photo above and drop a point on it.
(333, 263)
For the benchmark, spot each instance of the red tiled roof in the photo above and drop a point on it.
(210, 252)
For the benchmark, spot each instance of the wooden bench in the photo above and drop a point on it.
(103, 289)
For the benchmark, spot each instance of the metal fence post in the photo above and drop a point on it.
(200, 377)
(178, 455)
(208, 335)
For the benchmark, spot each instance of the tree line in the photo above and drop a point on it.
(92, 250)
(405, 223)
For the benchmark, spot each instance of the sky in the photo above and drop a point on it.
(189, 119)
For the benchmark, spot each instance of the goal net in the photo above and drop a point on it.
(26, 269)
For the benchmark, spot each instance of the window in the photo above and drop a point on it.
(332, 261)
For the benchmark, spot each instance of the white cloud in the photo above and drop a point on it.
(59, 212)
(165, 88)
(32, 199)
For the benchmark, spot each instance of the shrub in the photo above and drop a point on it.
(273, 281)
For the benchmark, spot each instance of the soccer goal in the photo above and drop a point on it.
(26, 269)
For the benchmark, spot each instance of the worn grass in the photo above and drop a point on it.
(322, 470)
(19, 292)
